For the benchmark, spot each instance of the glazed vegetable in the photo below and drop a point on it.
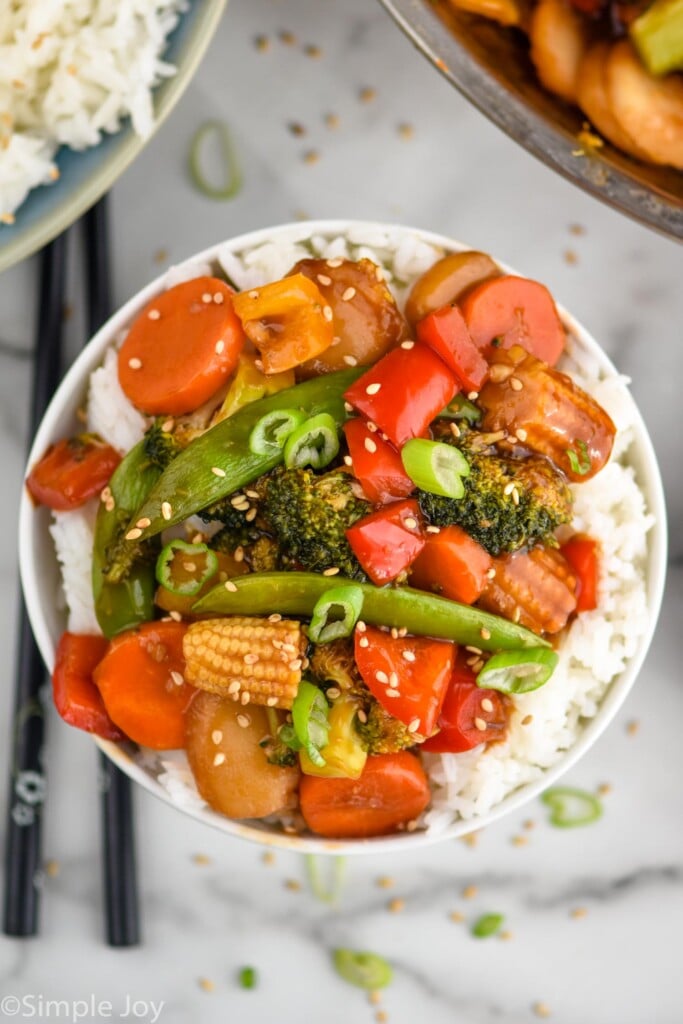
(469, 715)
(421, 614)
(446, 281)
(378, 730)
(190, 483)
(407, 675)
(248, 659)
(336, 614)
(365, 319)
(272, 431)
(249, 384)
(309, 516)
(288, 321)
(141, 679)
(183, 346)
(230, 767)
(344, 753)
(392, 791)
(445, 331)
(582, 555)
(76, 697)
(313, 443)
(72, 471)
(518, 671)
(658, 36)
(570, 807)
(388, 541)
(594, 100)
(404, 391)
(435, 467)
(536, 587)
(171, 601)
(376, 464)
(364, 970)
(184, 568)
(452, 564)
(511, 311)
(559, 38)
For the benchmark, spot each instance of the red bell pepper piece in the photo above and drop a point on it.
(408, 675)
(466, 708)
(376, 464)
(387, 541)
(76, 697)
(404, 391)
(507, 311)
(446, 332)
(582, 554)
(72, 471)
(453, 564)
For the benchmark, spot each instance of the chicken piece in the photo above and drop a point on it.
(593, 100)
(536, 588)
(558, 42)
(648, 109)
(547, 412)
(505, 12)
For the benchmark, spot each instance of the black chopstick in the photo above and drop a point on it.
(122, 916)
(24, 809)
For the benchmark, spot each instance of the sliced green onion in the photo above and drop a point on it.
(435, 467)
(336, 614)
(518, 671)
(179, 567)
(233, 176)
(365, 970)
(570, 808)
(487, 925)
(271, 432)
(248, 978)
(460, 408)
(310, 717)
(581, 461)
(332, 892)
(315, 443)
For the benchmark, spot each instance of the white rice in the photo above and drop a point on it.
(610, 507)
(71, 71)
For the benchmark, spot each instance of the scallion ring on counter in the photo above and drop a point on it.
(233, 175)
(571, 808)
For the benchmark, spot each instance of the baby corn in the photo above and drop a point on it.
(248, 659)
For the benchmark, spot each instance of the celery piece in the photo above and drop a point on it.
(658, 36)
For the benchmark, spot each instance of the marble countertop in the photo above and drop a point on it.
(592, 916)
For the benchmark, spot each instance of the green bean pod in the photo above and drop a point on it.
(422, 614)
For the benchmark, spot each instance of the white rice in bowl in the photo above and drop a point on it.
(611, 507)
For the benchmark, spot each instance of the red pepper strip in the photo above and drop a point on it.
(408, 675)
(387, 541)
(446, 332)
(469, 715)
(72, 471)
(582, 554)
(76, 697)
(376, 464)
(404, 391)
(452, 564)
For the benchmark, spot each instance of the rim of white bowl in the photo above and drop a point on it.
(33, 526)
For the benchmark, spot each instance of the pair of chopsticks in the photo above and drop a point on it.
(23, 865)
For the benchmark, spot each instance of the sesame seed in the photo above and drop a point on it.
(245, 697)
(485, 633)
(509, 488)
(244, 721)
(348, 407)
(350, 360)
(238, 553)
(499, 372)
(381, 1017)
(373, 389)
(487, 704)
(505, 935)
(410, 523)
(385, 882)
(527, 720)
(414, 725)
(176, 616)
(604, 789)
(234, 687)
(408, 655)
(333, 264)
(144, 523)
(331, 121)
(296, 664)
(381, 677)
(166, 510)
(515, 496)
(218, 298)
(360, 626)
(433, 529)
(219, 759)
(521, 434)
(455, 430)
(632, 728)
(311, 156)
(217, 471)
(456, 916)
(541, 1009)
(275, 617)
(177, 678)
(258, 363)
(469, 892)
(206, 298)
(361, 716)
(154, 314)
(253, 294)
(578, 912)
(229, 585)
(134, 534)
(473, 395)
(52, 868)
(403, 631)
(396, 906)
(201, 860)
(292, 885)
(519, 840)
(348, 461)
(271, 702)
(406, 130)
(206, 984)
(516, 384)
(237, 500)
(216, 736)
(393, 679)
(517, 614)
(491, 573)
(332, 571)
(370, 445)
(327, 313)
(105, 494)
(391, 692)
(333, 692)
(220, 345)
(250, 659)
(474, 650)
(364, 642)
(480, 724)
(394, 632)
(348, 294)
(367, 94)
(168, 425)
(408, 344)
(135, 363)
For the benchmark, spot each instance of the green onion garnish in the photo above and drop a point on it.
(248, 978)
(310, 718)
(460, 408)
(332, 892)
(579, 461)
(336, 614)
(365, 970)
(184, 568)
(435, 467)
(314, 443)
(271, 432)
(487, 925)
(233, 177)
(570, 808)
(518, 671)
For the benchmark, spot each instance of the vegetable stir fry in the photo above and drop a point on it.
(385, 556)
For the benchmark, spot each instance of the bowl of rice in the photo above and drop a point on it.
(81, 92)
(600, 654)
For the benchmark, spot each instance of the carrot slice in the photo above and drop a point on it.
(453, 564)
(511, 311)
(142, 685)
(182, 348)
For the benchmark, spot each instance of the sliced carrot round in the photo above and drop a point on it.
(182, 348)
(142, 685)
(509, 311)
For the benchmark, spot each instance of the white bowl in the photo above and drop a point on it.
(40, 573)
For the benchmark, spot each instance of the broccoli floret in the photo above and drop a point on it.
(495, 518)
(160, 447)
(309, 515)
(335, 663)
(381, 733)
